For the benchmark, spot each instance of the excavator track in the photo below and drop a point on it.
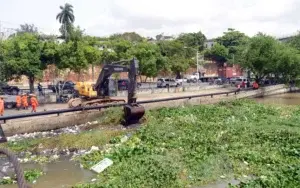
(78, 102)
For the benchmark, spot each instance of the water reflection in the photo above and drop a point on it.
(284, 99)
(63, 173)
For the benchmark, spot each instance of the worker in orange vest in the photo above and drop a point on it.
(1, 106)
(24, 100)
(34, 102)
(18, 101)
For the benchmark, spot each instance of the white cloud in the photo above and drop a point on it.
(149, 18)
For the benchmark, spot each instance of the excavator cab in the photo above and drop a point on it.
(133, 112)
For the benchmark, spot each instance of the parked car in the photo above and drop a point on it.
(7, 89)
(181, 81)
(240, 80)
(10, 101)
(123, 84)
(65, 86)
(193, 78)
(233, 80)
(166, 82)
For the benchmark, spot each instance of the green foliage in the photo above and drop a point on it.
(7, 181)
(295, 41)
(66, 18)
(22, 56)
(27, 28)
(32, 175)
(176, 58)
(192, 146)
(50, 52)
(129, 36)
(193, 40)
(111, 116)
(148, 55)
(264, 55)
(218, 53)
(232, 39)
(29, 175)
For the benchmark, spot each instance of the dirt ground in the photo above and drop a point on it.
(141, 97)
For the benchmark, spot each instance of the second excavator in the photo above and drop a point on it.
(93, 95)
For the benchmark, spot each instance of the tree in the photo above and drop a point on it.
(120, 47)
(27, 28)
(92, 55)
(2, 67)
(149, 57)
(50, 52)
(261, 55)
(66, 18)
(130, 36)
(23, 57)
(232, 40)
(72, 56)
(288, 63)
(193, 40)
(175, 56)
(295, 41)
(218, 53)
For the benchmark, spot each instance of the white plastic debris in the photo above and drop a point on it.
(102, 165)
(54, 157)
(94, 122)
(124, 139)
(94, 148)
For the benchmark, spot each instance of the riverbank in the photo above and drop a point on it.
(239, 141)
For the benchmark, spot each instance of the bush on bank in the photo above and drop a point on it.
(197, 145)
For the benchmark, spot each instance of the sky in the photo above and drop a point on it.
(150, 18)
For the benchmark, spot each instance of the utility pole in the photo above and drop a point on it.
(197, 61)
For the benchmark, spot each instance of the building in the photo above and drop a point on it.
(209, 43)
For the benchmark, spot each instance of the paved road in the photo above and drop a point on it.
(141, 97)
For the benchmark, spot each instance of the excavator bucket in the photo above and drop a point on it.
(133, 113)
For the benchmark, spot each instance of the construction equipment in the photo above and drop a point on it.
(92, 95)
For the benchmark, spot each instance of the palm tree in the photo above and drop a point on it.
(66, 16)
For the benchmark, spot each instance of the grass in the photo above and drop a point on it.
(111, 116)
(198, 145)
(29, 175)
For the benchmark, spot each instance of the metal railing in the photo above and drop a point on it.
(61, 111)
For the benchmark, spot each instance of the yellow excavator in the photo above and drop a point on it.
(93, 95)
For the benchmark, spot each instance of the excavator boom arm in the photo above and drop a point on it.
(115, 67)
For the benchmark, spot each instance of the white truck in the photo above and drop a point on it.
(193, 78)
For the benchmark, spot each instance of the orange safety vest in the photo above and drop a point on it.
(24, 101)
(34, 101)
(1, 107)
(18, 100)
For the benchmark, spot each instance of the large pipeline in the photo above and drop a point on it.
(50, 112)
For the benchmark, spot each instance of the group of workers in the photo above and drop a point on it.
(247, 85)
(21, 102)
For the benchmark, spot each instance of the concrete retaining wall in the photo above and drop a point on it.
(48, 123)
(53, 122)
(171, 90)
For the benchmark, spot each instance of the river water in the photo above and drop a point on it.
(282, 99)
(60, 174)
